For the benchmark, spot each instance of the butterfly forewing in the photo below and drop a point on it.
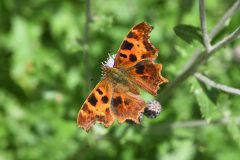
(97, 107)
(136, 47)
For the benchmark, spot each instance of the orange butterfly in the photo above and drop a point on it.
(116, 96)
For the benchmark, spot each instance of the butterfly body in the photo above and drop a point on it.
(115, 74)
(118, 76)
(117, 95)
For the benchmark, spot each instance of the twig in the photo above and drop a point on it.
(203, 25)
(86, 43)
(199, 57)
(196, 123)
(234, 35)
(213, 84)
(222, 21)
(165, 128)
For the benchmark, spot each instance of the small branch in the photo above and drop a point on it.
(222, 21)
(196, 123)
(203, 25)
(202, 123)
(213, 84)
(165, 128)
(86, 43)
(234, 35)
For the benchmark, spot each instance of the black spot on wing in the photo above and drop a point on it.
(105, 99)
(92, 100)
(131, 35)
(140, 69)
(126, 45)
(148, 46)
(144, 56)
(117, 101)
(127, 101)
(99, 91)
(123, 55)
(133, 58)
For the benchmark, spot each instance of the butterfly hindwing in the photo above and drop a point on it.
(97, 107)
(126, 105)
(136, 47)
(147, 75)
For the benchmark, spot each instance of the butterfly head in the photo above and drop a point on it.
(111, 72)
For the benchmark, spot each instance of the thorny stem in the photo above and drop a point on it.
(200, 57)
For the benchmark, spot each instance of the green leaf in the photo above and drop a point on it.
(207, 107)
(188, 33)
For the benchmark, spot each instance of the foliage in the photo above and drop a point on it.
(188, 33)
(44, 81)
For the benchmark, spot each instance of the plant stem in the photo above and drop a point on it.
(234, 35)
(86, 44)
(221, 23)
(204, 25)
(195, 123)
(218, 86)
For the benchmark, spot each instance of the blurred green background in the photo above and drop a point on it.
(50, 58)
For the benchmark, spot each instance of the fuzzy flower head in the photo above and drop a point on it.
(110, 60)
(152, 109)
(108, 64)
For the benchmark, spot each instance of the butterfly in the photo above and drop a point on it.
(117, 95)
